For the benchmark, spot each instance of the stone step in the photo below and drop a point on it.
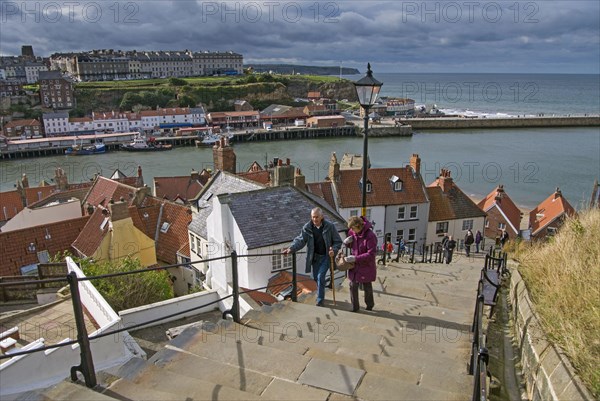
(67, 390)
(374, 387)
(236, 352)
(153, 381)
(324, 324)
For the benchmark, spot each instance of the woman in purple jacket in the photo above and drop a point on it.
(364, 250)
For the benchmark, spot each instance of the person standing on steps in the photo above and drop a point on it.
(364, 252)
(322, 241)
(478, 238)
(449, 249)
(469, 239)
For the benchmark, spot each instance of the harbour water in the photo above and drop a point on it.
(530, 163)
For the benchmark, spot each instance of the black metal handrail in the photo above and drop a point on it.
(86, 366)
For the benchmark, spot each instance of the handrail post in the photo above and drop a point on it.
(236, 287)
(294, 279)
(86, 367)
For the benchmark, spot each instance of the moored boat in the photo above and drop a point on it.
(93, 149)
(141, 144)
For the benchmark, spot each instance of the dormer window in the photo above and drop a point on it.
(369, 185)
(396, 183)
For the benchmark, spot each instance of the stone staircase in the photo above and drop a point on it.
(414, 345)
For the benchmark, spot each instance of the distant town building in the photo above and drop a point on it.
(399, 107)
(56, 91)
(10, 88)
(23, 129)
(108, 65)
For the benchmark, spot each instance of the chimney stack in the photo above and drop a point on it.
(557, 193)
(445, 181)
(299, 180)
(334, 168)
(415, 163)
(224, 157)
(499, 193)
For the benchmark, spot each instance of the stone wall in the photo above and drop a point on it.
(523, 122)
(547, 372)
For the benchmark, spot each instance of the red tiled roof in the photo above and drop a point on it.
(22, 123)
(261, 177)
(283, 280)
(450, 205)
(36, 194)
(177, 216)
(54, 238)
(382, 193)
(552, 208)
(323, 190)
(185, 187)
(105, 189)
(10, 205)
(505, 204)
(92, 234)
(261, 298)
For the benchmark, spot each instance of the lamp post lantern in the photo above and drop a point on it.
(367, 90)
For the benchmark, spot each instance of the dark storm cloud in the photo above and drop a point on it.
(535, 36)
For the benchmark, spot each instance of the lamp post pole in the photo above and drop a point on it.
(365, 163)
(367, 91)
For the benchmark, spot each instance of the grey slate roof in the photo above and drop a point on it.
(276, 215)
(220, 183)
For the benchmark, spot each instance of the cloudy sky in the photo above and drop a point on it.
(399, 36)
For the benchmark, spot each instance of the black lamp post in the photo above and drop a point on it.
(367, 90)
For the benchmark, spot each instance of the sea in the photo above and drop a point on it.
(530, 162)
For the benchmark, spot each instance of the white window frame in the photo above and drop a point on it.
(401, 213)
(280, 262)
(441, 227)
(412, 234)
(467, 224)
(415, 209)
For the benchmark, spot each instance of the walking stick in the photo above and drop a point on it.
(332, 282)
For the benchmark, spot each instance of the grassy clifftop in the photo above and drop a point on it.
(563, 278)
(216, 93)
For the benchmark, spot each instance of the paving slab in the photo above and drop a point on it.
(279, 390)
(331, 376)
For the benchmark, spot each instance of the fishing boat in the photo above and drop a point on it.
(141, 144)
(79, 150)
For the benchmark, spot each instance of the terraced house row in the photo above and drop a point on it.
(109, 65)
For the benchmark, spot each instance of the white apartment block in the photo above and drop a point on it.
(107, 122)
(56, 124)
(102, 65)
(32, 72)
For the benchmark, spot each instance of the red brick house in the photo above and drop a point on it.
(549, 215)
(502, 213)
(22, 129)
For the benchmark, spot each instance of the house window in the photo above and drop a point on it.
(501, 226)
(467, 225)
(487, 224)
(399, 234)
(398, 186)
(413, 212)
(412, 234)
(353, 213)
(192, 243)
(369, 187)
(441, 227)
(401, 213)
(280, 262)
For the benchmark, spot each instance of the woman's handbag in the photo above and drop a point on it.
(341, 263)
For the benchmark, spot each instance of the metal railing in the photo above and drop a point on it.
(86, 366)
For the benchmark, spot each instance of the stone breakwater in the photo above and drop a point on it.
(507, 122)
